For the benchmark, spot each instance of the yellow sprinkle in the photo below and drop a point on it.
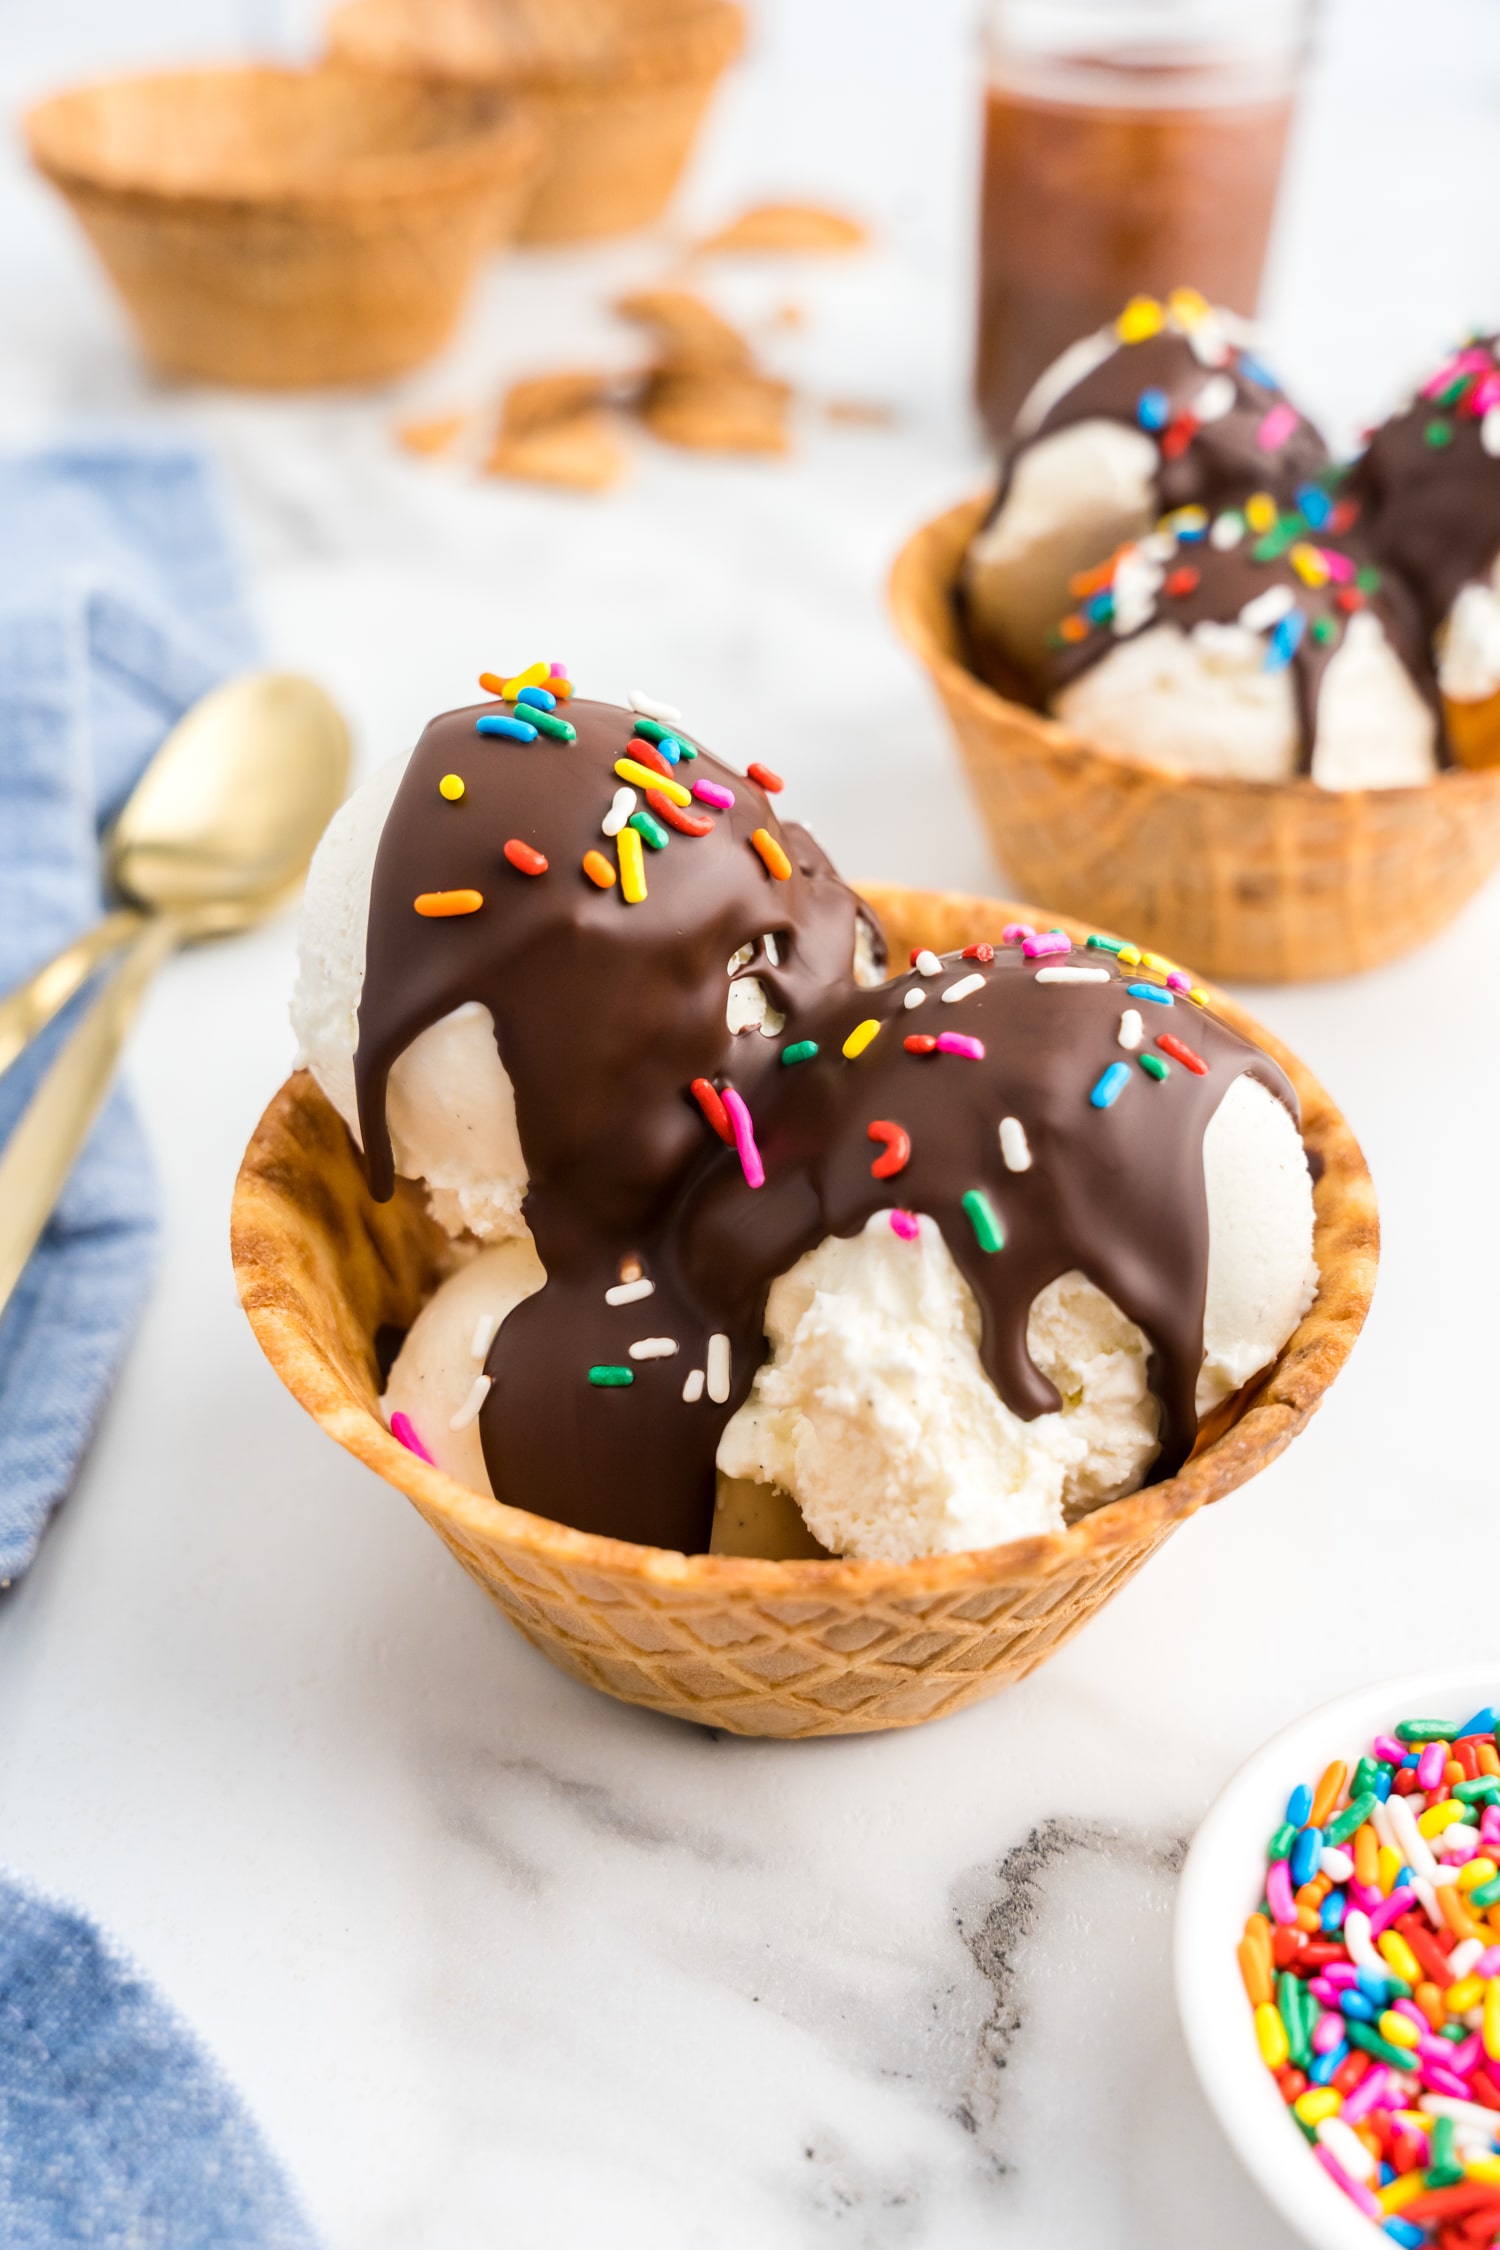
(1130, 955)
(598, 870)
(1490, 2028)
(1308, 564)
(1155, 961)
(1399, 2030)
(436, 905)
(1317, 2103)
(1197, 993)
(1270, 2036)
(1188, 307)
(1388, 1865)
(1260, 512)
(860, 1037)
(1141, 318)
(1396, 2194)
(535, 675)
(1485, 2169)
(1393, 1948)
(452, 787)
(644, 778)
(773, 855)
(1476, 1871)
(1466, 1994)
(632, 865)
(1438, 1817)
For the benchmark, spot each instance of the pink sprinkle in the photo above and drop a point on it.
(1399, 1902)
(1466, 2053)
(1339, 568)
(1366, 1896)
(1356, 2191)
(404, 1434)
(1469, 362)
(1488, 1964)
(1441, 2081)
(713, 793)
(905, 1224)
(744, 1137)
(1328, 2033)
(1388, 1750)
(959, 1043)
(1321, 1989)
(1340, 1974)
(1276, 428)
(1374, 2091)
(1430, 1765)
(1279, 1894)
(1485, 394)
(1050, 941)
(1177, 982)
(1014, 932)
(557, 671)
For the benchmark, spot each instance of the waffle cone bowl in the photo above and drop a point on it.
(282, 228)
(619, 86)
(1260, 881)
(760, 1648)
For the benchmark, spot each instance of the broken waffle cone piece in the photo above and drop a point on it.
(579, 451)
(719, 413)
(540, 400)
(688, 335)
(769, 227)
(1474, 731)
(433, 435)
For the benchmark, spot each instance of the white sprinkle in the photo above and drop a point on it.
(1208, 344)
(486, 1329)
(1157, 547)
(619, 812)
(1336, 1865)
(964, 987)
(1014, 1146)
(914, 998)
(1268, 609)
(1461, 1960)
(1132, 1030)
(468, 1412)
(1226, 530)
(1449, 2105)
(927, 964)
(718, 1369)
(629, 1292)
(1072, 976)
(1489, 431)
(692, 1389)
(1216, 399)
(654, 1347)
(1134, 588)
(650, 708)
(1345, 2145)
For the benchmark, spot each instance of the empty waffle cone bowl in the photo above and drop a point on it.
(1272, 881)
(282, 228)
(761, 1648)
(620, 87)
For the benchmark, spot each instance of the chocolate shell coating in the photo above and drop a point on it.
(1428, 482)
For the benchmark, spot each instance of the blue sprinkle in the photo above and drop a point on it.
(1153, 410)
(1306, 1852)
(1315, 505)
(1099, 608)
(1331, 1912)
(1190, 534)
(1483, 1722)
(540, 696)
(1376, 1987)
(1285, 641)
(1384, 2175)
(1382, 1783)
(1324, 2066)
(1159, 993)
(1403, 2231)
(1356, 2007)
(515, 730)
(1411, 1761)
(1402, 1882)
(1111, 1086)
(1299, 1805)
(671, 749)
(1256, 371)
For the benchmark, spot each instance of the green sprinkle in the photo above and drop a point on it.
(612, 1378)
(1368, 579)
(1457, 2032)
(547, 722)
(1484, 1791)
(800, 1050)
(1425, 1730)
(1274, 544)
(648, 826)
(1325, 629)
(1154, 1067)
(650, 730)
(1289, 2005)
(1452, 391)
(688, 752)
(1360, 2035)
(1443, 2166)
(1364, 1777)
(1105, 944)
(1486, 1894)
(988, 1232)
(1280, 1845)
(1438, 433)
(1354, 1815)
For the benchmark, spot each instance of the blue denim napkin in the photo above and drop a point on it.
(120, 604)
(116, 2132)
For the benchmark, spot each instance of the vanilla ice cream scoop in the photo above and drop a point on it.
(1170, 406)
(1248, 645)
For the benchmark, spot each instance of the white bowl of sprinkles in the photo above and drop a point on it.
(1223, 1882)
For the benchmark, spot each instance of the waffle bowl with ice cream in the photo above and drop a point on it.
(966, 1272)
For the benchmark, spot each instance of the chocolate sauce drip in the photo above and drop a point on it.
(1430, 490)
(1226, 579)
(604, 1013)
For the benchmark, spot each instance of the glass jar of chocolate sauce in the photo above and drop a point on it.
(1129, 146)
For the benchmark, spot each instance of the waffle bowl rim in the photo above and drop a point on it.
(698, 45)
(910, 582)
(1262, 1419)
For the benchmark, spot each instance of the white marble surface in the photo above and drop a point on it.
(495, 1959)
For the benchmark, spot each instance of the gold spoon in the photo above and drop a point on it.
(216, 834)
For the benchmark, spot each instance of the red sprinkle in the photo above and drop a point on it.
(1178, 436)
(897, 1149)
(525, 857)
(1345, 516)
(920, 1043)
(978, 953)
(707, 1098)
(1182, 580)
(646, 754)
(686, 823)
(1349, 598)
(763, 778)
(1179, 1051)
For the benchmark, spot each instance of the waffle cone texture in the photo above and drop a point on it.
(1265, 882)
(787, 1649)
(287, 229)
(620, 92)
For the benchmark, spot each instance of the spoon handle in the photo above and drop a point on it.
(54, 1124)
(32, 1005)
